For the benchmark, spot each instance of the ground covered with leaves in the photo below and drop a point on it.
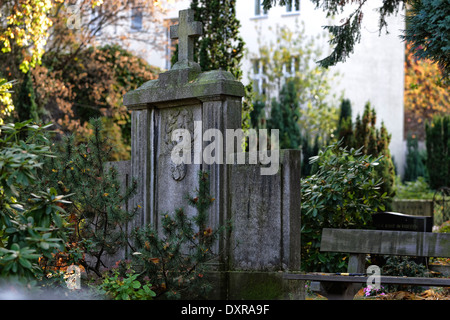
(430, 294)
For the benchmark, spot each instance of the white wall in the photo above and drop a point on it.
(374, 72)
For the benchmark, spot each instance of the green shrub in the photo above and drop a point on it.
(375, 142)
(444, 228)
(418, 189)
(125, 285)
(342, 194)
(33, 223)
(403, 267)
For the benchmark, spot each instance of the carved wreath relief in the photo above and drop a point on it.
(179, 118)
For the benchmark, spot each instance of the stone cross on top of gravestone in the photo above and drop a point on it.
(185, 32)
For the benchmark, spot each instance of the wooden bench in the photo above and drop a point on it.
(359, 243)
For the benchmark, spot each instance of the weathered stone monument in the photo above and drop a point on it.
(264, 209)
(402, 222)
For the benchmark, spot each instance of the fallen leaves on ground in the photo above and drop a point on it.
(430, 294)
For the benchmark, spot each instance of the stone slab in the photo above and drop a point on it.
(265, 212)
(402, 222)
(181, 85)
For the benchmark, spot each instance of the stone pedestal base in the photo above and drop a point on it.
(245, 285)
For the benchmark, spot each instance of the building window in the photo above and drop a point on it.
(136, 19)
(294, 6)
(259, 10)
(258, 76)
(291, 67)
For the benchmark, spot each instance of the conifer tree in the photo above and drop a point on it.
(221, 45)
(98, 208)
(175, 256)
(345, 112)
(26, 106)
(415, 166)
(284, 117)
(309, 149)
(344, 130)
(375, 142)
(257, 116)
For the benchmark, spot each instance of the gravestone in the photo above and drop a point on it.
(264, 209)
(181, 98)
(402, 222)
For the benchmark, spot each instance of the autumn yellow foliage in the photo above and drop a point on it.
(27, 24)
(6, 103)
(425, 94)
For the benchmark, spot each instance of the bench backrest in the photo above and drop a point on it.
(401, 243)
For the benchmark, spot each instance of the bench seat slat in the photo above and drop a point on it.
(420, 281)
(385, 242)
